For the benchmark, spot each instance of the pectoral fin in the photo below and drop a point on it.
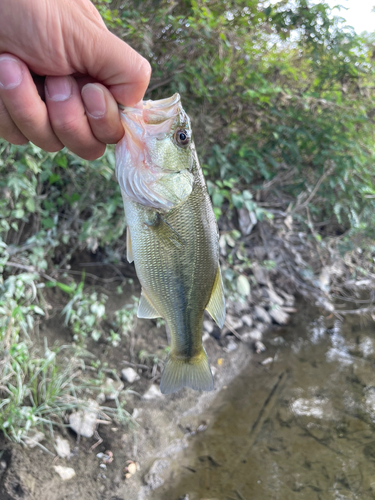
(169, 235)
(146, 309)
(129, 251)
(216, 304)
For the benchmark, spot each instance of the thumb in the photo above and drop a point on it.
(119, 67)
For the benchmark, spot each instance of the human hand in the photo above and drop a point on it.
(87, 69)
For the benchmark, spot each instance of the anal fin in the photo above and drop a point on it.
(129, 251)
(216, 304)
(146, 309)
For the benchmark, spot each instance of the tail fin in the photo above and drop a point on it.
(189, 372)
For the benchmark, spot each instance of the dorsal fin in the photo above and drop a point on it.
(129, 251)
(146, 309)
(216, 304)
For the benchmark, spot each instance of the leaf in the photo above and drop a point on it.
(38, 310)
(243, 286)
(30, 205)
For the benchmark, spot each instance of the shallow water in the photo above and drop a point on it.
(299, 427)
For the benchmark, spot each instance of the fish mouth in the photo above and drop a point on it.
(155, 112)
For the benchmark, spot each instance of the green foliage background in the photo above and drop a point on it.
(281, 99)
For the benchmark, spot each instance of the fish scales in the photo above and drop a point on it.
(173, 237)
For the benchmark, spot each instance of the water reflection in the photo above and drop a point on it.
(301, 427)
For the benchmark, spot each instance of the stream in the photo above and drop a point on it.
(299, 426)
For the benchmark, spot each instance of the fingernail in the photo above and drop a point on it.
(94, 100)
(10, 72)
(59, 88)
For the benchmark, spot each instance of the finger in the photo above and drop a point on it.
(8, 129)
(24, 105)
(102, 113)
(119, 67)
(68, 117)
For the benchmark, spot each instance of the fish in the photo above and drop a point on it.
(172, 234)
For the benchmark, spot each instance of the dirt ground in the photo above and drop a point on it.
(163, 423)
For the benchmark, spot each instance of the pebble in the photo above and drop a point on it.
(279, 316)
(100, 398)
(289, 299)
(262, 315)
(205, 336)
(231, 346)
(32, 440)
(83, 422)
(247, 320)
(259, 347)
(246, 220)
(152, 393)
(112, 388)
(267, 361)
(65, 473)
(62, 447)
(252, 335)
(273, 297)
(208, 326)
(234, 322)
(260, 275)
(129, 375)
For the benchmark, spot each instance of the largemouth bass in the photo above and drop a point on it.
(172, 234)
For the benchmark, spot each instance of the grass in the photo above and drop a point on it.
(39, 385)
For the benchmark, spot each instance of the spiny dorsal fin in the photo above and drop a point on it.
(129, 251)
(146, 309)
(216, 304)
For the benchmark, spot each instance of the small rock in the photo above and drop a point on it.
(277, 341)
(262, 327)
(83, 422)
(279, 316)
(112, 388)
(260, 275)
(208, 326)
(267, 361)
(289, 299)
(205, 337)
(65, 473)
(262, 315)
(252, 336)
(213, 370)
(129, 375)
(273, 297)
(246, 220)
(62, 447)
(3, 465)
(247, 320)
(100, 398)
(152, 393)
(259, 347)
(231, 346)
(33, 439)
(234, 322)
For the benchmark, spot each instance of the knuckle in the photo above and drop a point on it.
(68, 127)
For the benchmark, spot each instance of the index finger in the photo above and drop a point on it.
(120, 68)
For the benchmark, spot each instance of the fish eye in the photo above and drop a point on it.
(182, 137)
